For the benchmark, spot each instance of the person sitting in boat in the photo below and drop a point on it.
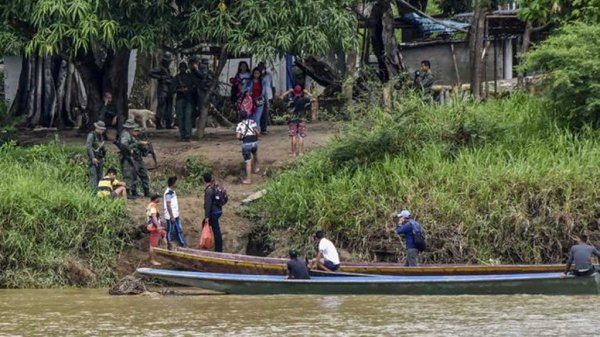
(296, 269)
(581, 254)
(327, 259)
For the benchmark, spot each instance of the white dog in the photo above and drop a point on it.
(142, 117)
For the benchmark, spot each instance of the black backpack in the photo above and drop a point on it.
(419, 236)
(220, 195)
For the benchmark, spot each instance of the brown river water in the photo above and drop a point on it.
(92, 312)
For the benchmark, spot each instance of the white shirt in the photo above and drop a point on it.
(329, 251)
(246, 127)
(171, 196)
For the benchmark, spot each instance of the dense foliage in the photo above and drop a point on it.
(49, 220)
(493, 182)
(571, 60)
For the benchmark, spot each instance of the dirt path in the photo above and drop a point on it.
(222, 150)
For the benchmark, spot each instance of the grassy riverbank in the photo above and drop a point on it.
(492, 182)
(53, 231)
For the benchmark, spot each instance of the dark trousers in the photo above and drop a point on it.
(164, 113)
(214, 224)
(412, 257)
(96, 174)
(184, 109)
(175, 225)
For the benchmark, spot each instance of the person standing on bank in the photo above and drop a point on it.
(213, 208)
(424, 79)
(132, 163)
(247, 132)
(327, 258)
(96, 152)
(164, 113)
(297, 124)
(172, 213)
(258, 92)
(154, 226)
(184, 104)
(267, 85)
(408, 227)
(581, 254)
(295, 269)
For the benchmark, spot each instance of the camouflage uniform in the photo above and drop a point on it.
(95, 149)
(132, 163)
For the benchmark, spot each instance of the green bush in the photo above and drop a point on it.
(571, 59)
(48, 218)
(491, 182)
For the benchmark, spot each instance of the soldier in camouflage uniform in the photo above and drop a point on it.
(96, 152)
(132, 161)
(164, 91)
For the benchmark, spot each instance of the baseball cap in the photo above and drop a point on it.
(403, 214)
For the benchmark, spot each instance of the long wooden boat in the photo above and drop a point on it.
(244, 284)
(208, 261)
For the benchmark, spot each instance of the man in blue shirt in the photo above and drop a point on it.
(407, 226)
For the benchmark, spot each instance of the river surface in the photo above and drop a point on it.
(92, 312)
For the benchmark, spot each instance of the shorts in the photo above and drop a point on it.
(297, 129)
(249, 149)
(155, 236)
(103, 194)
(331, 266)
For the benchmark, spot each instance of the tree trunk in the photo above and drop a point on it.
(524, 49)
(476, 48)
(350, 78)
(201, 126)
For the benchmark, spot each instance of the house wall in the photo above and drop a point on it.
(442, 64)
(12, 71)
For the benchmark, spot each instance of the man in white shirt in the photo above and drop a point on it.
(327, 259)
(172, 213)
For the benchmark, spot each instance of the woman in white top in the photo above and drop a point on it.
(247, 131)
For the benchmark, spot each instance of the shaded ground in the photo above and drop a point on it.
(222, 150)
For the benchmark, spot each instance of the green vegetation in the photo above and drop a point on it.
(571, 59)
(492, 182)
(49, 220)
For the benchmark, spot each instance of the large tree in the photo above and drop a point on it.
(98, 35)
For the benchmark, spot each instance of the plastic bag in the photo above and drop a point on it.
(207, 238)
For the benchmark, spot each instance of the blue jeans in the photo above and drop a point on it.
(259, 114)
(214, 224)
(176, 226)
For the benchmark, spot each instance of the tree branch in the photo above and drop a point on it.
(402, 3)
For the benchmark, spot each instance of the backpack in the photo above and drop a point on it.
(247, 105)
(220, 195)
(419, 237)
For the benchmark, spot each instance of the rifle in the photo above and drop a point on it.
(149, 150)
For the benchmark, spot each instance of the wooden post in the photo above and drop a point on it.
(455, 64)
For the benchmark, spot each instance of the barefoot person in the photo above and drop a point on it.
(581, 254)
(110, 186)
(327, 259)
(297, 126)
(154, 226)
(247, 131)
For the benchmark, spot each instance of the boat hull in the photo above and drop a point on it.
(200, 260)
(535, 284)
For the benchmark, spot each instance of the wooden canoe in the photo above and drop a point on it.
(500, 284)
(208, 261)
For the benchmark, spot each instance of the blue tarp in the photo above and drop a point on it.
(428, 26)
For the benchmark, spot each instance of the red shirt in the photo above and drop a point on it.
(256, 89)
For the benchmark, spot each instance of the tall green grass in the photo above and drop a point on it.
(492, 182)
(49, 217)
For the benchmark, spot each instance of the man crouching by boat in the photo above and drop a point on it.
(295, 269)
(156, 230)
(327, 259)
(581, 254)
